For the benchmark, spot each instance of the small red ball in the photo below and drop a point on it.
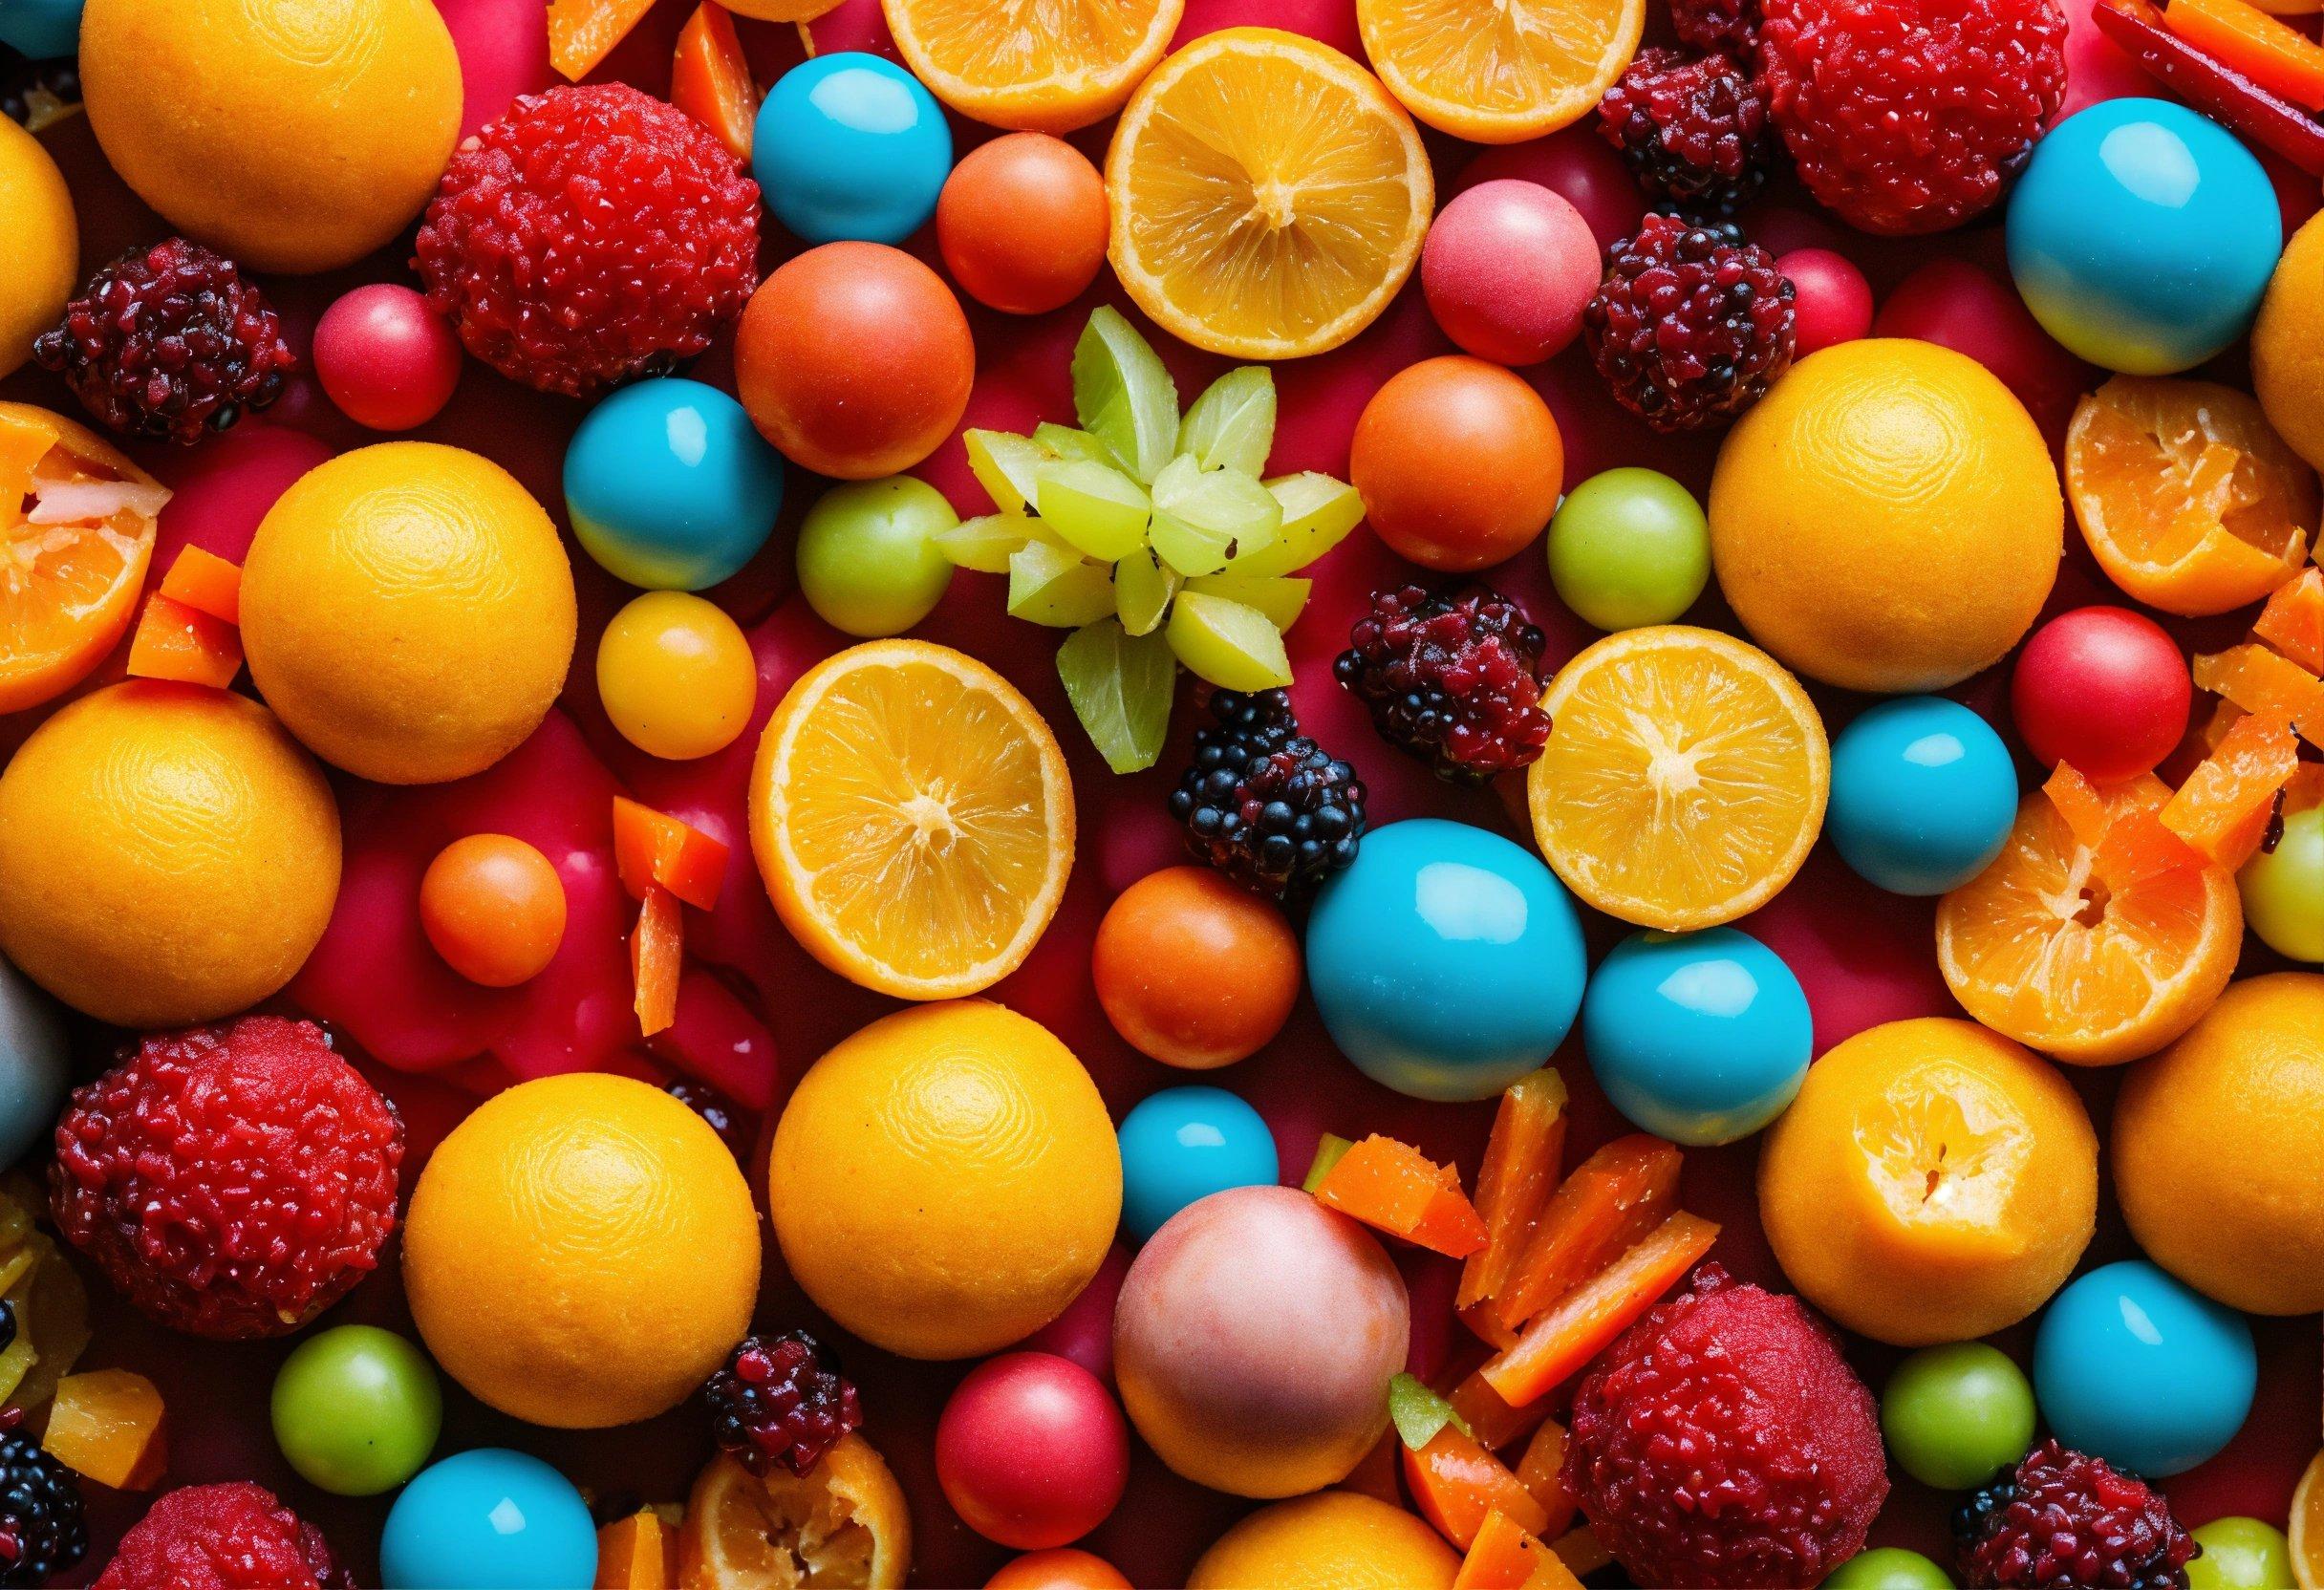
(1507, 269)
(1956, 305)
(1031, 1452)
(494, 908)
(1022, 224)
(1459, 463)
(1834, 303)
(2103, 689)
(387, 359)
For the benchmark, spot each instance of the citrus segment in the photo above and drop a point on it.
(1685, 778)
(1269, 197)
(842, 1523)
(2292, 622)
(1500, 71)
(2307, 1529)
(1046, 66)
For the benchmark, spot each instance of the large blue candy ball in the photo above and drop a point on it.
(41, 28)
(2141, 235)
(490, 1516)
(36, 1067)
(1187, 1142)
(670, 486)
(2135, 1366)
(1922, 795)
(850, 145)
(1446, 961)
(1700, 1038)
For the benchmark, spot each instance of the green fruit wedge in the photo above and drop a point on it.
(1124, 396)
(1058, 588)
(1317, 513)
(1142, 589)
(1232, 425)
(1232, 646)
(1096, 508)
(1207, 519)
(1279, 597)
(1120, 685)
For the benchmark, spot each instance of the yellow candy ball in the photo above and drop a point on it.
(675, 675)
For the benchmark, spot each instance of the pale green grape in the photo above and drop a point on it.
(1142, 589)
(1232, 425)
(1278, 597)
(1120, 686)
(985, 542)
(1003, 463)
(2284, 889)
(1065, 442)
(1205, 519)
(1122, 395)
(1230, 645)
(1058, 588)
(1317, 513)
(1095, 508)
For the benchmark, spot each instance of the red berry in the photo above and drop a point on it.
(386, 358)
(2063, 1520)
(1692, 130)
(781, 1400)
(1690, 326)
(222, 1538)
(1022, 224)
(2103, 689)
(1451, 677)
(1834, 303)
(1507, 267)
(1731, 26)
(1031, 1452)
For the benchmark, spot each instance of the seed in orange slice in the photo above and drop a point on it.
(1500, 71)
(844, 1522)
(2306, 1531)
(2056, 947)
(2189, 500)
(1044, 66)
(1685, 778)
(1268, 196)
(912, 818)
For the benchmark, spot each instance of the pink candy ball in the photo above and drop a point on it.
(1508, 267)
(388, 360)
(1031, 1452)
(1835, 302)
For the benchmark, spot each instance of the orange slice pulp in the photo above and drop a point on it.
(842, 1523)
(1500, 71)
(1044, 66)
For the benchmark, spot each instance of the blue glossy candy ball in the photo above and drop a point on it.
(1446, 961)
(488, 1516)
(2137, 1367)
(850, 145)
(1922, 795)
(2141, 235)
(36, 1067)
(1700, 1038)
(670, 486)
(41, 28)
(1187, 1142)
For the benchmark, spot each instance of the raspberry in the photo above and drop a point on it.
(589, 236)
(1455, 679)
(1691, 128)
(169, 342)
(1691, 324)
(41, 1529)
(234, 1181)
(781, 1399)
(1263, 802)
(1909, 116)
(1729, 26)
(1724, 1441)
(2062, 1519)
(223, 1538)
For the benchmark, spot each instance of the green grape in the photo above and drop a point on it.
(1122, 395)
(1629, 548)
(1120, 686)
(1094, 506)
(1064, 441)
(2240, 1553)
(1060, 588)
(1003, 463)
(987, 542)
(867, 562)
(1142, 589)
(357, 1409)
(1318, 512)
(1232, 425)
(1277, 596)
(1205, 518)
(2284, 889)
(1230, 645)
(1888, 1568)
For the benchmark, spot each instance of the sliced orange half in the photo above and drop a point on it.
(2189, 500)
(1500, 71)
(1269, 197)
(1685, 778)
(913, 819)
(844, 1522)
(1044, 66)
(2092, 964)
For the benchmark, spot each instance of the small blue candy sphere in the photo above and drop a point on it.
(850, 145)
(1187, 1142)
(1922, 795)
(41, 28)
(1701, 1038)
(1446, 961)
(2141, 235)
(670, 486)
(2135, 1366)
(490, 1516)
(36, 1067)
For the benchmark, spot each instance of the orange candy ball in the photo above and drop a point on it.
(1022, 224)
(1193, 971)
(1459, 463)
(494, 908)
(1062, 1568)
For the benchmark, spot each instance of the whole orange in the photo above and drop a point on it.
(1332, 1541)
(1162, 965)
(1458, 462)
(44, 243)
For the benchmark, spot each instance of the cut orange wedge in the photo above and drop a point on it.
(2189, 500)
(1044, 66)
(844, 1522)
(1500, 71)
(1268, 196)
(2306, 1529)
(912, 818)
(2258, 680)
(780, 11)
(2292, 622)
(2052, 946)
(1685, 778)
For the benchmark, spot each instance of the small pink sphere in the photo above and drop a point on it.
(1507, 269)
(388, 360)
(2103, 689)
(1834, 303)
(1959, 305)
(1031, 1452)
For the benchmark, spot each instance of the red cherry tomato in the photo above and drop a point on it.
(1834, 303)
(1157, 963)
(1031, 1452)
(1022, 224)
(1062, 1569)
(494, 908)
(1458, 462)
(387, 360)
(2104, 689)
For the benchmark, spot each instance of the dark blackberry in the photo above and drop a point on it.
(35, 93)
(781, 1399)
(1264, 803)
(2064, 1520)
(41, 1529)
(721, 1114)
(1691, 324)
(8, 1324)
(1692, 130)
(1451, 677)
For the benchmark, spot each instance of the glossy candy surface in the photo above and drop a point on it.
(1507, 267)
(357, 1409)
(387, 360)
(1021, 223)
(1187, 1142)
(1922, 795)
(850, 145)
(2103, 689)
(1031, 1451)
(35, 1065)
(2129, 1324)
(490, 1516)
(669, 487)
(675, 675)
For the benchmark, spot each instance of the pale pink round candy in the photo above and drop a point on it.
(1508, 267)
(1834, 302)
(387, 360)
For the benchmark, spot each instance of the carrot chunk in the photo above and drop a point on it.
(651, 849)
(582, 32)
(1506, 1555)
(1396, 1188)
(1558, 1344)
(107, 1426)
(2261, 681)
(710, 80)
(1519, 1172)
(2223, 809)
(173, 641)
(1613, 1198)
(2246, 40)
(1537, 1471)
(2292, 621)
(658, 956)
(1455, 1482)
(206, 583)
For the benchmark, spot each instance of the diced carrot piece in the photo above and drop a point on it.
(1519, 1172)
(1484, 1324)
(206, 583)
(652, 848)
(2306, 788)
(582, 32)
(1376, 1476)
(1395, 1187)
(710, 80)
(107, 1426)
(2214, 812)
(2080, 804)
(2292, 621)
(1558, 1344)
(2271, 53)
(2138, 847)
(173, 641)
(1581, 1550)
(1489, 1416)
(633, 1554)
(658, 956)
(1506, 1556)
(1613, 1198)
(1455, 1482)
(2259, 681)
(1537, 1471)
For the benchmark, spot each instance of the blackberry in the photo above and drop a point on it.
(1451, 678)
(781, 1399)
(2064, 1520)
(1691, 324)
(1692, 130)
(41, 1529)
(1264, 803)
(8, 1324)
(719, 1113)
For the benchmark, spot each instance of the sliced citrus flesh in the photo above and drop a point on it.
(912, 818)
(1685, 778)
(1268, 196)
(1043, 65)
(2091, 962)
(1500, 71)
(842, 1524)
(2306, 1531)
(2189, 500)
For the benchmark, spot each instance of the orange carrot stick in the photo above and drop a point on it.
(1506, 1556)
(582, 32)
(1490, 1418)
(1395, 1187)
(652, 848)
(2273, 55)
(206, 583)
(1537, 1471)
(1556, 1345)
(658, 956)
(710, 79)
(1519, 1172)
(1455, 1482)
(1612, 1199)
